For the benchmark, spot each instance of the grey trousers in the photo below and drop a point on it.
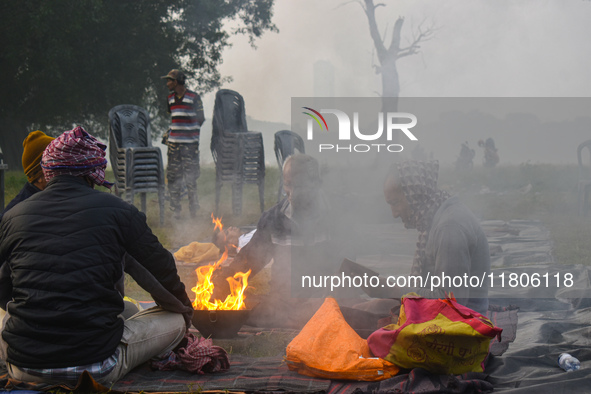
(147, 334)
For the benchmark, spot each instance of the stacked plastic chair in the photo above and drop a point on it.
(286, 143)
(137, 165)
(238, 153)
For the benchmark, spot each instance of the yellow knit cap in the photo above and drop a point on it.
(34, 145)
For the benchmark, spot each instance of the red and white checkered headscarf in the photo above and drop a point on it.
(77, 153)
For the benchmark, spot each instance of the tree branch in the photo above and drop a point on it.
(373, 28)
(414, 46)
(349, 2)
(409, 52)
(396, 34)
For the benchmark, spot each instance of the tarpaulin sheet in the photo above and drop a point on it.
(551, 320)
(245, 374)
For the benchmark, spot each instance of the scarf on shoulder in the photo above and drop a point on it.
(418, 181)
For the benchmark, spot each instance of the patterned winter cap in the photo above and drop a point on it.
(77, 153)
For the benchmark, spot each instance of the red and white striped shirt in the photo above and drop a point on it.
(187, 117)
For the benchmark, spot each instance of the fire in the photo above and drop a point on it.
(204, 288)
(217, 222)
(218, 225)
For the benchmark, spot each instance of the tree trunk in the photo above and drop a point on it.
(390, 84)
(12, 134)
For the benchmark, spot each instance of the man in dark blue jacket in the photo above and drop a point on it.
(64, 247)
(33, 147)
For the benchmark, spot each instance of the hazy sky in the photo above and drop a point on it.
(481, 48)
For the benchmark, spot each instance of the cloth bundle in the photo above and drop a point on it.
(195, 355)
(197, 253)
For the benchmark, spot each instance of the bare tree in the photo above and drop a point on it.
(389, 55)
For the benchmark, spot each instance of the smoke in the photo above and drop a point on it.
(524, 62)
(479, 49)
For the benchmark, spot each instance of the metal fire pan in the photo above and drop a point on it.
(219, 324)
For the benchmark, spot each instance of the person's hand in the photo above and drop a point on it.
(165, 137)
(188, 316)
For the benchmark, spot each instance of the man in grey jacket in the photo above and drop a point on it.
(452, 247)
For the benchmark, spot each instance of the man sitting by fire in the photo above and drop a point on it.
(64, 247)
(451, 240)
(297, 234)
(230, 238)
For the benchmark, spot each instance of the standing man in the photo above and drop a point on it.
(186, 110)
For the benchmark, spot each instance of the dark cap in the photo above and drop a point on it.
(175, 74)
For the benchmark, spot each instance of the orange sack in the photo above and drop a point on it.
(327, 347)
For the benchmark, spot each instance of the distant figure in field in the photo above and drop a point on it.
(465, 160)
(491, 157)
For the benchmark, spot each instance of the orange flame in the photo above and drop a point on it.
(204, 288)
(217, 222)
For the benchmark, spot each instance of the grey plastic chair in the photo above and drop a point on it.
(286, 143)
(584, 185)
(137, 165)
(238, 153)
